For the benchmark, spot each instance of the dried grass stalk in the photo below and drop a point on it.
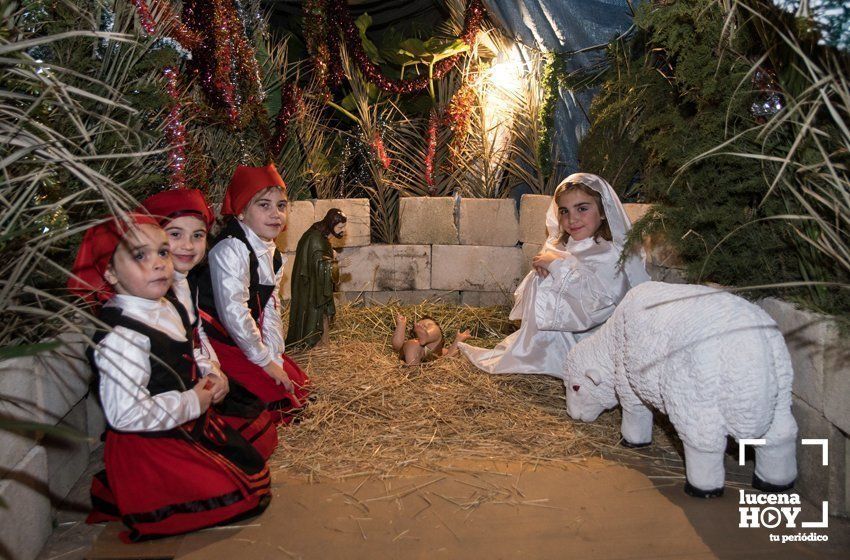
(375, 415)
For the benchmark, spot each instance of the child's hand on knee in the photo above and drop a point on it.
(204, 390)
(220, 386)
(280, 377)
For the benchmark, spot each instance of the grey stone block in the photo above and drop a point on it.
(487, 299)
(425, 220)
(532, 218)
(64, 375)
(302, 215)
(357, 231)
(836, 371)
(20, 399)
(806, 335)
(67, 458)
(25, 523)
(666, 274)
(529, 250)
(489, 222)
(815, 481)
(636, 211)
(403, 297)
(378, 268)
(286, 284)
(470, 268)
(95, 420)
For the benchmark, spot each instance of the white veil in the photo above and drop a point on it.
(618, 222)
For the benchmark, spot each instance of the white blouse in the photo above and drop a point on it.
(123, 359)
(228, 262)
(205, 356)
(579, 294)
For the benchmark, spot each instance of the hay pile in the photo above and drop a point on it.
(375, 415)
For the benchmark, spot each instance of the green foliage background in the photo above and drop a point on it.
(676, 89)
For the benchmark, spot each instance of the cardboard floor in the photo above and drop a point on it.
(480, 509)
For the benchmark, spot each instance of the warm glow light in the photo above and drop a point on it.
(507, 75)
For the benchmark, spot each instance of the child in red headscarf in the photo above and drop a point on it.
(238, 292)
(186, 218)
(171, 464)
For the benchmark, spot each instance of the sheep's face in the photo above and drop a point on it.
(589, 393)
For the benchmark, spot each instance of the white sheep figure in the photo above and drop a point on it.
(714, 363)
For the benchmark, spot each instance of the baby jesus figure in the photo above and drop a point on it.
(426, 343)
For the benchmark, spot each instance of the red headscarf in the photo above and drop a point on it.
(246, 182)
(174, 203)
(99, 244)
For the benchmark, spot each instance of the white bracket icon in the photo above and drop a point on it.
(742, 447)
(824, 452)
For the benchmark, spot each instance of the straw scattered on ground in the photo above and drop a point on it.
(375, 415)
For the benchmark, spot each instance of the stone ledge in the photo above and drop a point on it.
(402, 297)
(488, 222)
(427, 221)
(532, 218)
(816, 481)
(529, 250)
(302, 215)
(26, 524)
(480, 269)
(805, 335)
(378, 268)
(63, 376)
(487, 299)
(286, 284)
(67, 458)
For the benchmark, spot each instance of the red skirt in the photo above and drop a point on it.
(252, 377)
(160, 486)
(259, 432)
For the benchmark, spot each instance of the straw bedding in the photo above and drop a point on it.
(375, 415)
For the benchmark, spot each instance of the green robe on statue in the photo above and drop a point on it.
(312, 289)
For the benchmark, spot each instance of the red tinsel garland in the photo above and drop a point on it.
(431, 153)
(145, 17)
(337, 19)
(290, 97)
(380, 150)
(457, 117)
(223, 59)
(184, 36)
(175, 132)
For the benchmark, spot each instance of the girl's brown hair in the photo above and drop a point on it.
(603, 230)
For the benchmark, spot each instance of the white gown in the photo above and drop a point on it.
(579, 294)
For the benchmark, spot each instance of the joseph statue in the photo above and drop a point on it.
(314, 274)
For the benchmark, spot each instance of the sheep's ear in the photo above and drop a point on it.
(594, 376)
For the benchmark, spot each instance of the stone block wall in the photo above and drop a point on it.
(820, 401)
(36, 471)
(454, 249)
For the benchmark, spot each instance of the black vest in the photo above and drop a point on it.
(258, 294)
(172, 361)
(173, 368)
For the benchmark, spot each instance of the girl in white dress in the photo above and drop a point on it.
(576, 281)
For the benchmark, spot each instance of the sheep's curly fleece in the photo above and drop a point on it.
(712, 361)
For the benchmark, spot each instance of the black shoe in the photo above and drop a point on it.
(692, 490)
(763, 486)
(626, 443)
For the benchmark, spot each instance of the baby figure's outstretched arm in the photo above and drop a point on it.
(461, 336)
(398, 335)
